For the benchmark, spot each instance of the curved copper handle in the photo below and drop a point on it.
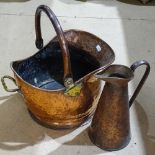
(141, 83)
(68, 80)
(5, 86)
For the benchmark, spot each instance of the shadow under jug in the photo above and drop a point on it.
(110, 128)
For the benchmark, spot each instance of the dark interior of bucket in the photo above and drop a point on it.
(45, 69)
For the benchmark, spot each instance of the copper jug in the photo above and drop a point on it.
(110, 127)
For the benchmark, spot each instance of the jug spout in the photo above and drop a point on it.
(116, 74)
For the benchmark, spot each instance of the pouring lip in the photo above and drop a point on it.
(102, 75)
(86, 77)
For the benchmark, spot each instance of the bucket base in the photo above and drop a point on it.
(55, 125)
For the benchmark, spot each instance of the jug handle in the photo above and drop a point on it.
(142, 81)
(5, 86)
(68, 80)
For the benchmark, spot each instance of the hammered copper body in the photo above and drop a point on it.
(110, 127)
(69, 100)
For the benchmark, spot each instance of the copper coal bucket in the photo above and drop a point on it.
(57, 82)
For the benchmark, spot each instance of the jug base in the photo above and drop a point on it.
(108, 148)
(54, 125)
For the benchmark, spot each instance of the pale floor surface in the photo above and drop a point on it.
(128, 28)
